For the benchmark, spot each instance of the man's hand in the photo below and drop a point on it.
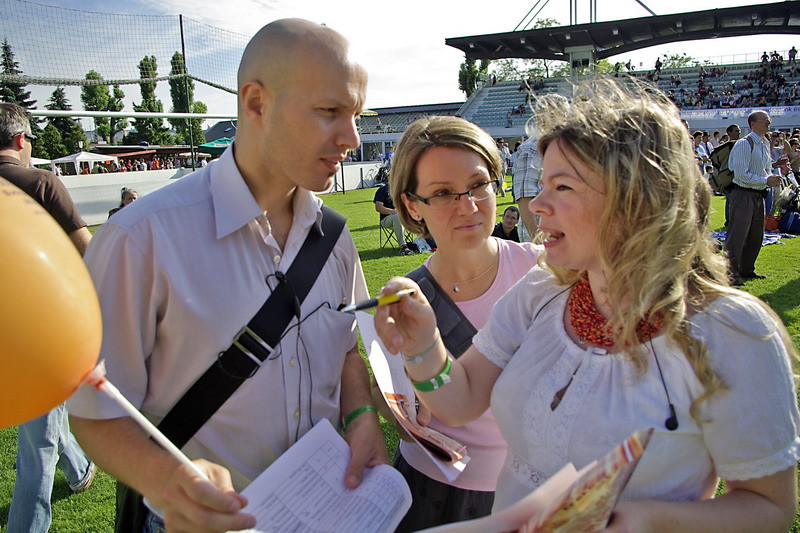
(366, 442)
(192, 504)
(774, 180)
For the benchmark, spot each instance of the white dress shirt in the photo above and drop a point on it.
(750, 167)
(178, 273)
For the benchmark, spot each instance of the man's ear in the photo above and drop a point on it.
(18, 142)
(255, 99)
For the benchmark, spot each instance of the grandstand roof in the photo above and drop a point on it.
(425, 108)
(617, 37)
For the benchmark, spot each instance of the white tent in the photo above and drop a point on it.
(81, 157)
(39, 161)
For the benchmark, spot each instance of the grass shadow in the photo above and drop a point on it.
(784, 299)
(377, 253)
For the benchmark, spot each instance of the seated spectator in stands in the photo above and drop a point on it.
(507, 228)
(389, 219)
(128, 196)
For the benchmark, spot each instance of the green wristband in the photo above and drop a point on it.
(437, 382)
(355, 413)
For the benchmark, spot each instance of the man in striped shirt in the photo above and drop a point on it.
(751, 165)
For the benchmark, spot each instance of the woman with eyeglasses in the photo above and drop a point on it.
(631, 325)
(444, 177)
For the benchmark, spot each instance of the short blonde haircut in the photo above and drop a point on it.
(653, 241)
(426, 133)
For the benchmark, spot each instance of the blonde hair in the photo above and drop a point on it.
(653, 241)
(423, 134)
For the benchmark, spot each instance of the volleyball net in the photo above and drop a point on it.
(58, 46)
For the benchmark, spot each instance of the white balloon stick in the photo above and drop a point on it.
(114, 393)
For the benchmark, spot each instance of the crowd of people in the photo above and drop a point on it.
(774, 83)
(141, 165)
(623, 318)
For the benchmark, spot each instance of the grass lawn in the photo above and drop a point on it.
(93, 510)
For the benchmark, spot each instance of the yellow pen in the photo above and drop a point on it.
(386, 299)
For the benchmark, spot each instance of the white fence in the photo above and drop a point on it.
(95, 194)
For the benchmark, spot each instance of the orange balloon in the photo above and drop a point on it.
(50, 325)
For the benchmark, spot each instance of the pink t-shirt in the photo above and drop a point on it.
(487, 449)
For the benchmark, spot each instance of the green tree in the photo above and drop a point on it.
(96, 98)
(517, 69)
(181, 90)
(470, 73)
(52, 143)
(677, 61)
(11, 91)
(151, 130)
(115, 103)
(602, 66)
(71, 131)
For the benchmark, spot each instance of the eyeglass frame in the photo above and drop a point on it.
(495, 183)
(29, 136)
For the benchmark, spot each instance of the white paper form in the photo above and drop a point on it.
(304, 490)
(391, 378)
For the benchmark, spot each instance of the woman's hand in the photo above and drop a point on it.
(408, 326)
(629, 517)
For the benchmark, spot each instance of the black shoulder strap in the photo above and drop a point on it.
(248, 352)
(456, 329)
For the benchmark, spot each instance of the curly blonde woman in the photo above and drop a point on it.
(629, 325)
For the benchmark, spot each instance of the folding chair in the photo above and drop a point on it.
(387, 237)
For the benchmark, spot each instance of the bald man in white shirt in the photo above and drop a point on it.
(180, 271)
(751, 165)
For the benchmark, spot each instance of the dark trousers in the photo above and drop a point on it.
(745, 230)
(434, 503)
(727, 208)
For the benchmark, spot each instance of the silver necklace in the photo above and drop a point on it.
(457, 284)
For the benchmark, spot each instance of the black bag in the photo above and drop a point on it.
(455, 328)
(131, 512)
(235, 365)
(723, 176)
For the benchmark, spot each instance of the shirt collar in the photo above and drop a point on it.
(758, 138)
(234, 205)
(10, 160)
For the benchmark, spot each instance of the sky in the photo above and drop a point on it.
(401, 44)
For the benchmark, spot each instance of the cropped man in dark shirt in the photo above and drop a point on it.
(44, 442)
(507, 229)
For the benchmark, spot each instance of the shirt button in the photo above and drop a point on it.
(276, 259)
(297, 414)
(293, 362)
